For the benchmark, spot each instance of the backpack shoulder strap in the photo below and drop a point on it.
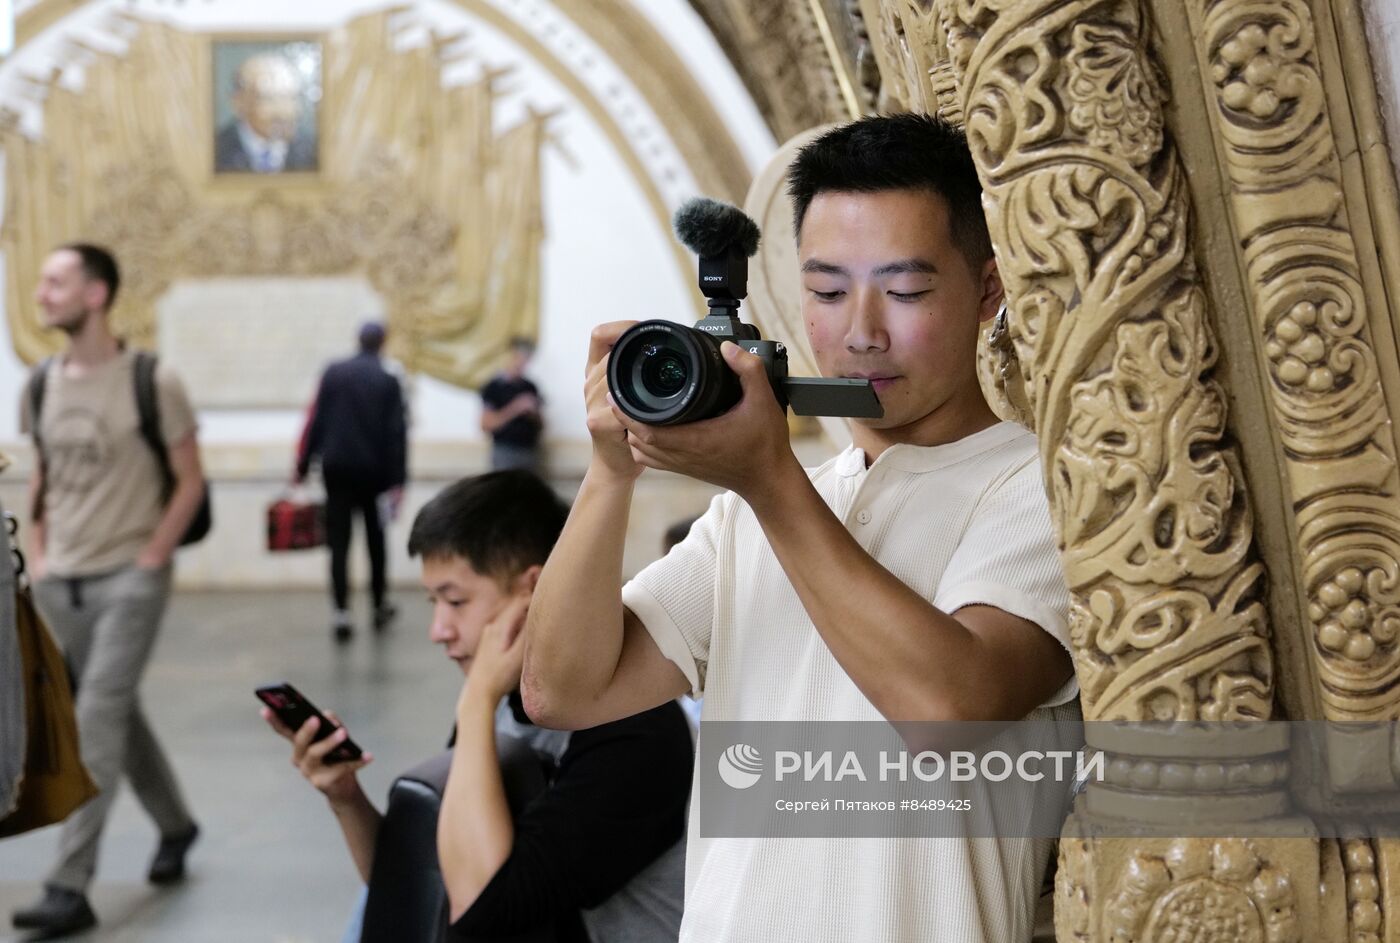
(148, 408)
(34, 390)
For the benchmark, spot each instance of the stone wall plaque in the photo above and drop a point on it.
(260, 343)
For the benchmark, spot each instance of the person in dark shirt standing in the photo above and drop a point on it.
(359, 433)
(511, 413)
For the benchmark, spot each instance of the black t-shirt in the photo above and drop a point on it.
(616, 800)
(523, 430)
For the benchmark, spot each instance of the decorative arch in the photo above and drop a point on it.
(421, 247)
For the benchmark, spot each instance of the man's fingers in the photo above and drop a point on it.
(595, 391)
(600, 421)
(515, 608)
(597, 376)
(515, 636)
(324, 775)
(515, 630)
(318, 750)
(689, 439)
(510, 620)
(639, 430)
(276, 724)
(646, 456)
(302, 738)
(747, 365)
(739, 359)
(603, 338)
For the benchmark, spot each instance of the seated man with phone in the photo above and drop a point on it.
(599, 854)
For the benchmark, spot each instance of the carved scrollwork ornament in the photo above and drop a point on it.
(1073, 913)
(1089, 210)
(1219, 891)
(1287, 205)
(910, 45)
(1364, 917)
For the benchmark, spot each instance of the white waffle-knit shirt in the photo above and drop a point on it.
(963, 523)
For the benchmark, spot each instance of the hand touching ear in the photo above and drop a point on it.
(500, 656)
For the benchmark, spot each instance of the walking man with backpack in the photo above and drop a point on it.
(117, 487)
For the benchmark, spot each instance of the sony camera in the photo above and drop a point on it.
(662, 373)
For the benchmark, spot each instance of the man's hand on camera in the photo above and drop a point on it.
(611, 453)
(746, 450)
(335, 780)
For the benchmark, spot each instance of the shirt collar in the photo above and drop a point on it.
(254, 144)
(926, 458)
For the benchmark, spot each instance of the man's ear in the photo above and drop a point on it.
(992, 292)
(96, 295)
(525, 582)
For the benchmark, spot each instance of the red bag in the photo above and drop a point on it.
(295, 525)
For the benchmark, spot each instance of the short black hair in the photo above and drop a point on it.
(522, 343)
(98, 265)
(896, 152)
(371, 337)
(502, 523)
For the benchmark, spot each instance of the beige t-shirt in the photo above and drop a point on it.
(962, 524)
(104, 493)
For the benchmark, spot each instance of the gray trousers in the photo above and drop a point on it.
(107, 627)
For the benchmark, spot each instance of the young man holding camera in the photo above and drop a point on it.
(596, 855)
(950, 603)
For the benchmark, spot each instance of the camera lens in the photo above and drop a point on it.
(658, 371)
(663, 372)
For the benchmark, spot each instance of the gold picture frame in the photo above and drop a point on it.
(264, 101)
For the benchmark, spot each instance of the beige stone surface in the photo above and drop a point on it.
(259, 343)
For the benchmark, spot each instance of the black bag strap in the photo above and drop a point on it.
(148, 409)
(38, 380)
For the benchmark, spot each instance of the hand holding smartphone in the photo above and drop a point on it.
(293, 709)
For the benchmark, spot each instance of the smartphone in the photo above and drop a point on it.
(293, 709)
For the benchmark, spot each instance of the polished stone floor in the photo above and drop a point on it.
(270, 865)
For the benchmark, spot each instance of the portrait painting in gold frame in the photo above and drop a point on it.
(266, 105)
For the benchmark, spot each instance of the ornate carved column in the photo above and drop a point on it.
(1301, 184)
(1090, 211)
(1088, 208)
(1315, 326)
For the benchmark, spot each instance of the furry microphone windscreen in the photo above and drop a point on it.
(709, 228)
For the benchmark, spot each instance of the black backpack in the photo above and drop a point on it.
(148, 408)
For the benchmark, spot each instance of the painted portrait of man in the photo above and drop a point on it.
(266, 96)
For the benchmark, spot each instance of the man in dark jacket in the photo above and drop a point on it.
(359, 433)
